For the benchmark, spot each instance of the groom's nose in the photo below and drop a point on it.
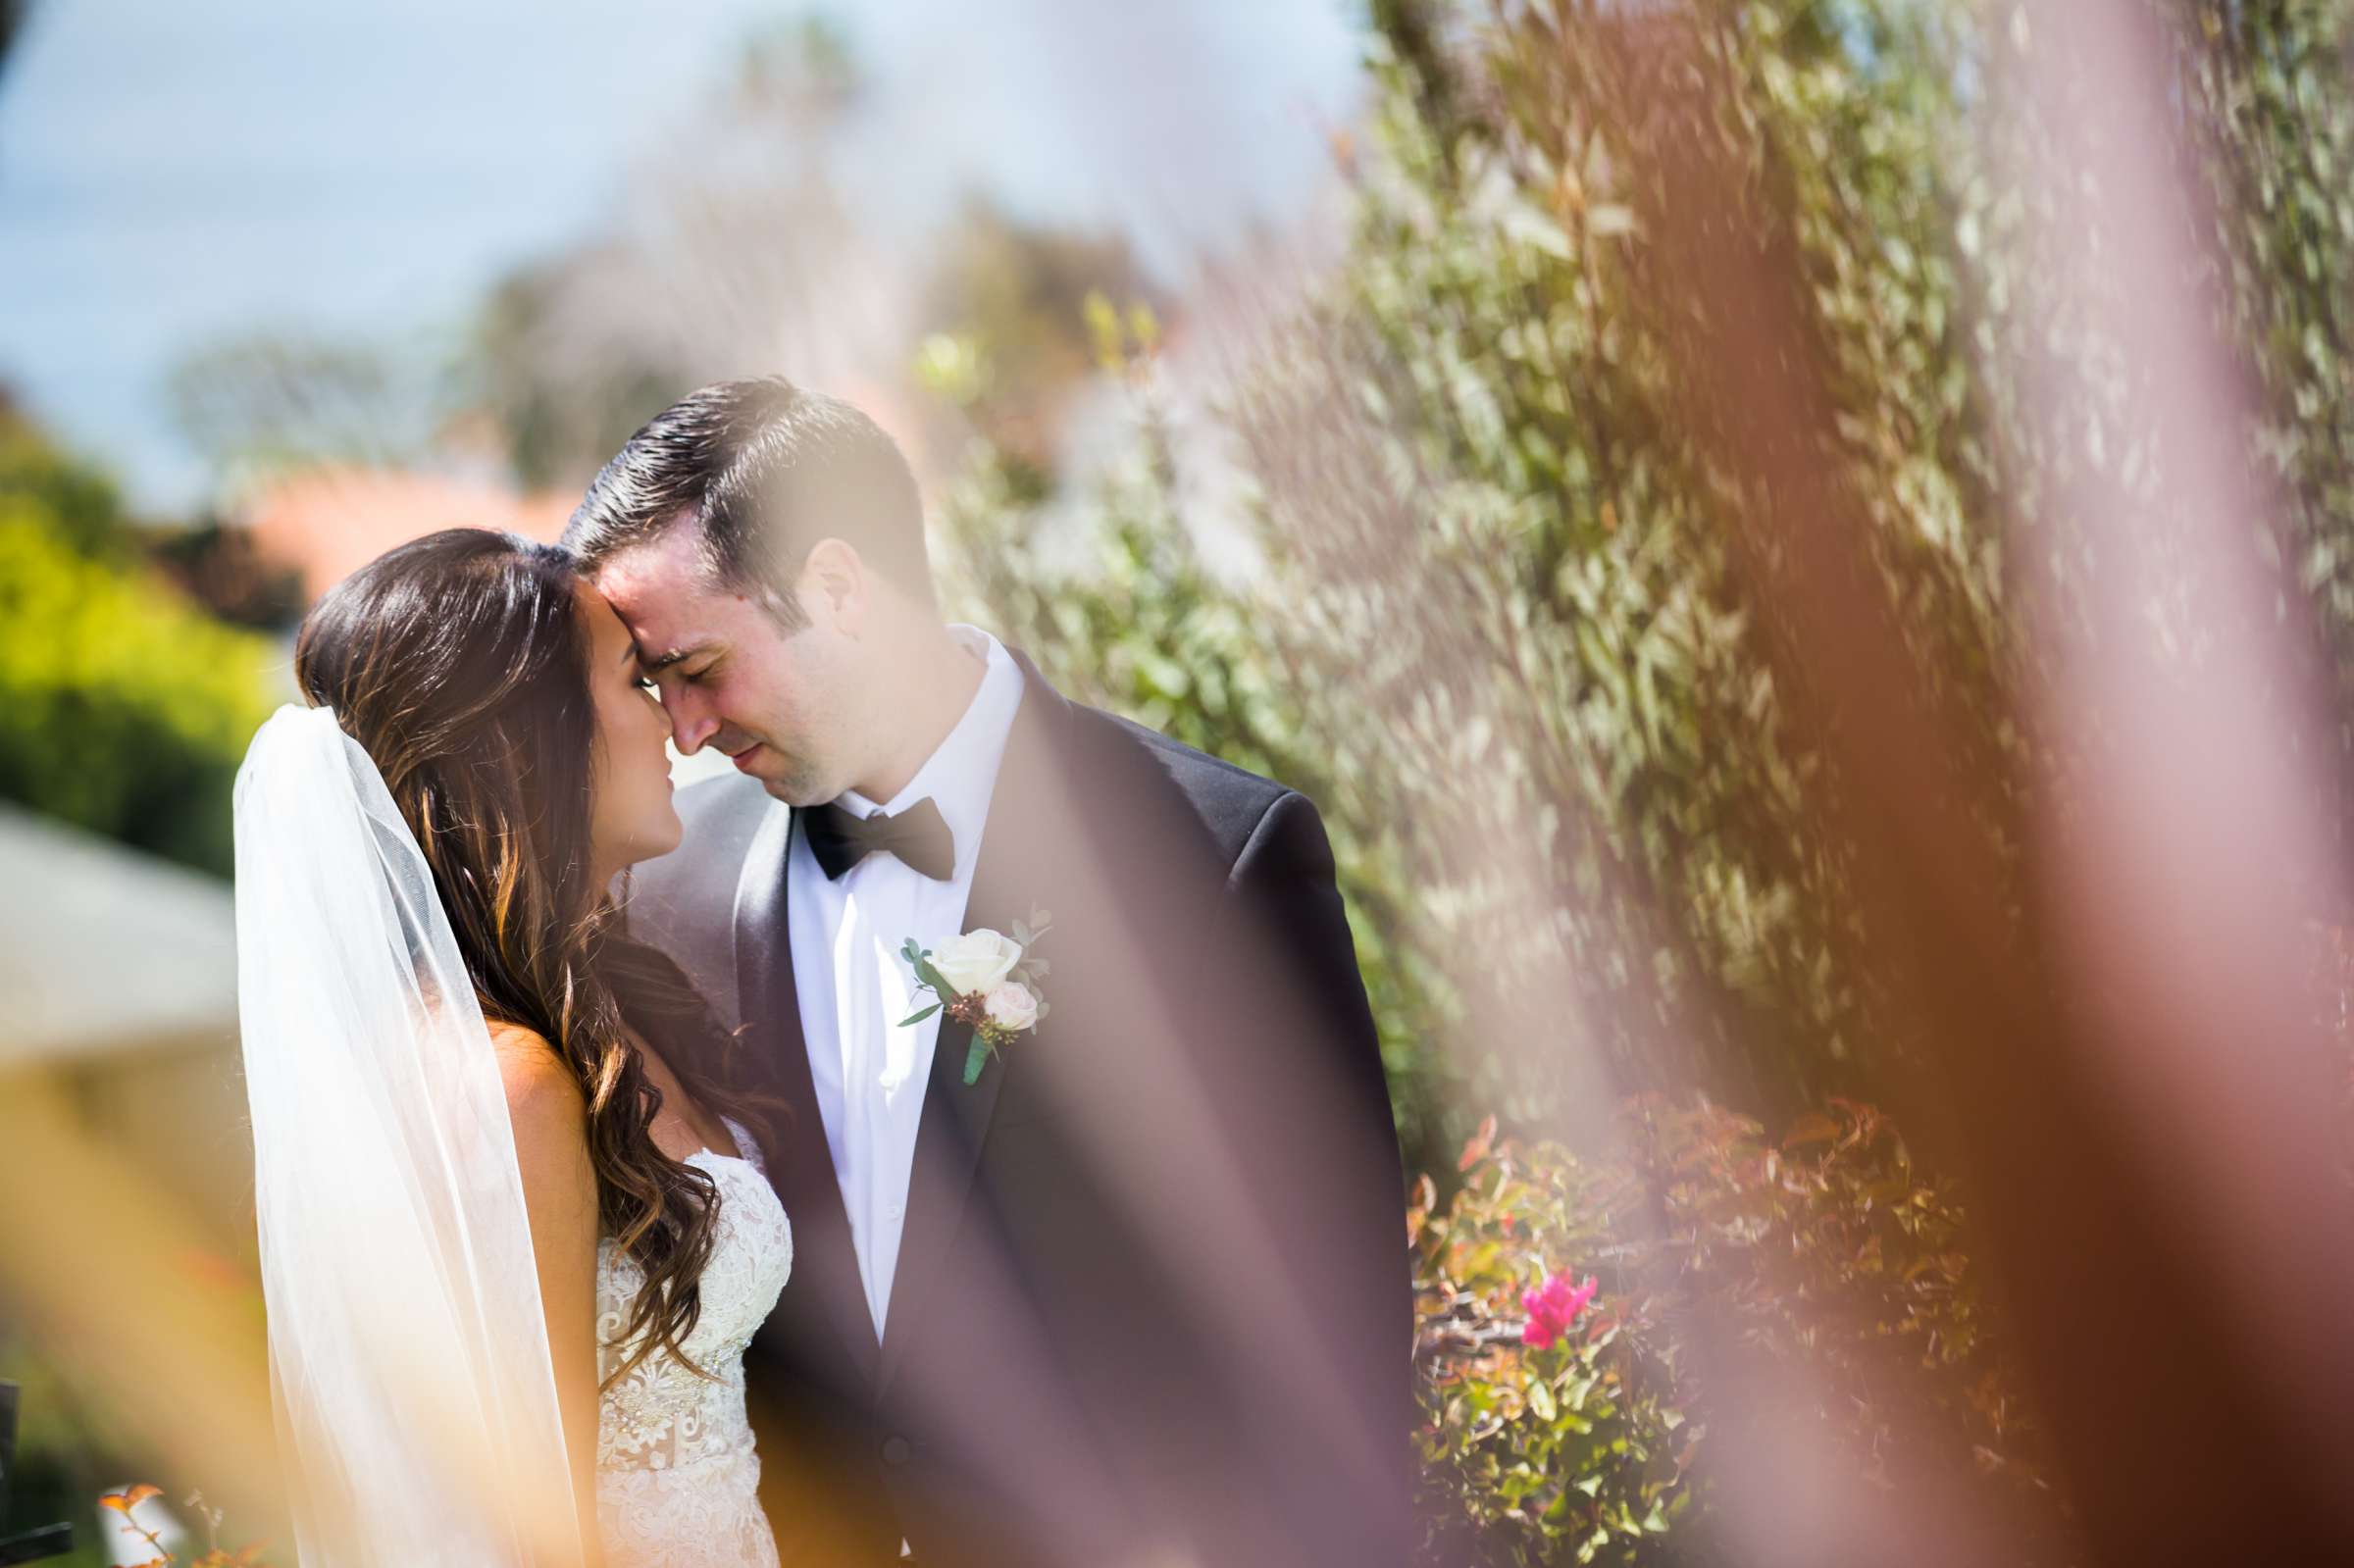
(691, 722)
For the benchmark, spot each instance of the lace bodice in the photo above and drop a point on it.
(676, 1471)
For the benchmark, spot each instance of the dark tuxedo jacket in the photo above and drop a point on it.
(1153, 1300)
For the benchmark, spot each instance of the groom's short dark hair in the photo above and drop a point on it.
(761, 470)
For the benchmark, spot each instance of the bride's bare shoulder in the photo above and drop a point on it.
(549, 1116)
(543, 1095)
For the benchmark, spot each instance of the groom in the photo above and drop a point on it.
(1137, 1292)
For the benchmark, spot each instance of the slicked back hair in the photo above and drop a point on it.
(760, 469)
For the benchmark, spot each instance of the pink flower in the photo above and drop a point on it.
(1551, 1309)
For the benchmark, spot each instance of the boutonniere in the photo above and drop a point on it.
(984, 979)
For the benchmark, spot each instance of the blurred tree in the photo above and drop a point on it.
(1012, 297)
(1412, 31)
(746, 249)
(1503, 634)
(2271, 128)
(741, 253)
(747, 252)
(12, 23)
(277, 398)
(555, 422)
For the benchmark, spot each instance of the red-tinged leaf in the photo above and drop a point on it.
(1477, 1148)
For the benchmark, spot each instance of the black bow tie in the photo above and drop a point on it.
(917, 836)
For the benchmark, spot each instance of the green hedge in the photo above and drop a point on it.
(123, 708)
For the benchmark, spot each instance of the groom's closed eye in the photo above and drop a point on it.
(652, 681)
(674, 657)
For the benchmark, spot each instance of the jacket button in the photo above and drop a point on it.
(896, 1451)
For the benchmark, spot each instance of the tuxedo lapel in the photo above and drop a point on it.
(1007, 885)
(823, 1287)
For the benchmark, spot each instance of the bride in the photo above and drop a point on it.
(514, 1222)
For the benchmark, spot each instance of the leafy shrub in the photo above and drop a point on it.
(1142, 625)
(80, 503)
(123, 709)
(1823, 1267)
(1498, 596)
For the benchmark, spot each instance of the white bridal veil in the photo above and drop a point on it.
(415, 1394)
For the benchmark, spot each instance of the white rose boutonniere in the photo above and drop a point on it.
(977, 960)
(984, 979)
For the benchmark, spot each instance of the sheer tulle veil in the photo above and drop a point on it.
(415, 1394)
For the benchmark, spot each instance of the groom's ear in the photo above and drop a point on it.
(836, 582)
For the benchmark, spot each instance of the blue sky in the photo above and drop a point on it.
(173, 173)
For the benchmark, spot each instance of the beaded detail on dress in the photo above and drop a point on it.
(677, 1480)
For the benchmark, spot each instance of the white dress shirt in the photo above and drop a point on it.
(869, 1073)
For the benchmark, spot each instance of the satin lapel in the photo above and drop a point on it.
(1007, 888)
(825, 1260)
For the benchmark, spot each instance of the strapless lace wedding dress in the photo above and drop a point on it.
(677, 1481)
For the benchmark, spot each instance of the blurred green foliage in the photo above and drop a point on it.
(1493, 622)
(1144, 627)
(67, 1451)
(80, 504)
(1806, 1298)
(124, 707)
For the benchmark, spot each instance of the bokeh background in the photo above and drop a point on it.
(1805, 548)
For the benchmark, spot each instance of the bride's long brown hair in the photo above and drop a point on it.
(458, 662)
